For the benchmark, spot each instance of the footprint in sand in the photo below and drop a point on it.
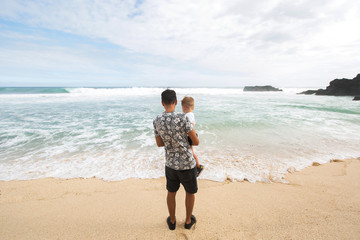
(181, 236)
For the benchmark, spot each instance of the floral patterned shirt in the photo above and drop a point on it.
(173, 128)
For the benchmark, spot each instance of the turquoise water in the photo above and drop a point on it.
(32, 90)
(108, 132)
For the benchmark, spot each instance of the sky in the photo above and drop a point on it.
(183, 43)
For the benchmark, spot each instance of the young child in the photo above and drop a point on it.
(187, 104)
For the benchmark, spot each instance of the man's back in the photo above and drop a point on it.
(173, 127)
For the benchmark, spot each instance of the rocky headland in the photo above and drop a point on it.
(266, 88)
(340, 87)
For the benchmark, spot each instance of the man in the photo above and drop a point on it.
(171, 130)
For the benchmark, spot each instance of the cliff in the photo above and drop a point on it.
(339, 87)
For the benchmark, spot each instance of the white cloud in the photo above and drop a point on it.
(270, 40)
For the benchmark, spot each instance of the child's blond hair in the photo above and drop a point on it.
(188, 102)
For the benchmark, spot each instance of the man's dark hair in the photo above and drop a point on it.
(168, 97)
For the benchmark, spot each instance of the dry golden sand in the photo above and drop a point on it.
(320, 202)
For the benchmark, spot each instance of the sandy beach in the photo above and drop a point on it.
(319, 202)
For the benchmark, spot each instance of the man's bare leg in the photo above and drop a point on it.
(171, 202)
(189, 204)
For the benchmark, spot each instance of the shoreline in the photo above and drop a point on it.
(318, 202)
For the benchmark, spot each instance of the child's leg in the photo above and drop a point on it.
(196, 158)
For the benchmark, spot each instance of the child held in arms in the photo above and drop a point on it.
(187, 104)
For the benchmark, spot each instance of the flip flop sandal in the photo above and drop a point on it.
(193, 221)
(172, 226)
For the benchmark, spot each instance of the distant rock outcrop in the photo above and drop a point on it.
(261, 88)
(339, 87)
(309, 92)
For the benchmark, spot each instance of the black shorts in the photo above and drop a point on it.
(186, 177)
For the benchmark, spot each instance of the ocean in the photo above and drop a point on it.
(107, 133)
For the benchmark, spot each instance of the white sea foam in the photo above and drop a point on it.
(152, 91)
(115, 91)
(181, 91)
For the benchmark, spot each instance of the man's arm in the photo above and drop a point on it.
(193, 137)
(159, 141)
